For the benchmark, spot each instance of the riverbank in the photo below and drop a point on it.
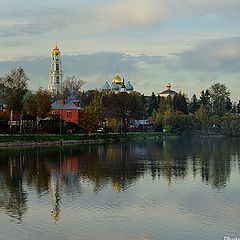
(58, 140)
(51, 140)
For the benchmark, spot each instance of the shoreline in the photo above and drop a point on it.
(41, 140)
(7, 141)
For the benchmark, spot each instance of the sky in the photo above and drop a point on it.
(190, 43)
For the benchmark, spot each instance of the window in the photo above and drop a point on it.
(69, 114)
(57, 80)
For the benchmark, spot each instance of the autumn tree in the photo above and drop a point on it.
(124, 106)
(38, 103)
(92, 114)
(164, 113)
(202, 115)
(14, 88)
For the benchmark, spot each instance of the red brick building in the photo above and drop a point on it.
(68, 109)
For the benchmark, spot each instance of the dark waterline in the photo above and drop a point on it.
(172, 189)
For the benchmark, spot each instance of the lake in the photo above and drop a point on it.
(179, 188)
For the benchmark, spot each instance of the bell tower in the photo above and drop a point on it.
(55, 74)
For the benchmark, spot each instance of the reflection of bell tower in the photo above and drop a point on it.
(55, 75)
(55, 197)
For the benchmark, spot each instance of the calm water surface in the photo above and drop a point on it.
(163, 190)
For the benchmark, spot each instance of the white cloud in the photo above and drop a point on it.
(106, 16)
(122, 14)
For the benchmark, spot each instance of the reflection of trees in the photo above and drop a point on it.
(57, 171)
(113, 163)
(211, 158)
(13, 198)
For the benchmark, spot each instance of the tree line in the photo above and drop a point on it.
(212, 111)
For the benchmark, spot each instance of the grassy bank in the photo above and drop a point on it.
(47, 139)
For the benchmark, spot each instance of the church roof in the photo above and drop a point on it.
(106, 86)
(117, 79)
(169, 91)
(129, 86)
(56, 50)
(115, 87)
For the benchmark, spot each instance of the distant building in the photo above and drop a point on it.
(69, 109)
(118, 85)
(168, 92)
(55, 74)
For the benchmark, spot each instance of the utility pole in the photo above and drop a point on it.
(21, 123)
(61, 106)
(11, 119)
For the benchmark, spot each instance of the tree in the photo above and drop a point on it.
(92, 114)
(230, 124)
(14, 88)
(202, 115)
(164, 104)
(238, 107)
(124, 106)
(164, 113)
(180, 103)
(219, 95)
(194, 105)
(167, 115)
(180, 123)
(205, 99)
(153, 104)
(228, 104)
(234, 108)
(38, 104)
(72, 84)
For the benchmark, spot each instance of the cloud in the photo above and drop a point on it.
(128, 13)
(86, 18)
(190, 71)
(105, 16)
(219, 56)
(93, 68)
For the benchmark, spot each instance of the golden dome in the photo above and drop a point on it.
(56, 50)
(117, 79)
(168, 85)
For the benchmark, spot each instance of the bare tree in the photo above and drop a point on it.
(72, 84)
(14, 88)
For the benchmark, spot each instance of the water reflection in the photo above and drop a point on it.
(60, 171)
